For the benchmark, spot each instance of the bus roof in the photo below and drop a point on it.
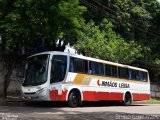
(90, 59)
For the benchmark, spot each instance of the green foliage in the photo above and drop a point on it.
(157, 62)
(25, 23)
(136, 20)
(123, 52)
(30, 22)
(102, 42)
(91, 41)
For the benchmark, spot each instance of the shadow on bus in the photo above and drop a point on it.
(85, 104)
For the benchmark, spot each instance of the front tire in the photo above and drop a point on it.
(74, 99)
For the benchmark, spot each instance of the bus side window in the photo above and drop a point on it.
(58, 68)
(130, 74)
(108, 70)
(123, 72)
(71, 69)
(86, 66)
(114, 71)
(143, 76)
(79, 65)
(135, 74)
(96, 68)
(93, 68)
(101, 69)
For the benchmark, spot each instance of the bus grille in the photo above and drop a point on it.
(30, 93)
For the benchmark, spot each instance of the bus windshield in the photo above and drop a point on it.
(36, 70)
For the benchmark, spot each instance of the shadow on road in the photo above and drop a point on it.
(85, 104)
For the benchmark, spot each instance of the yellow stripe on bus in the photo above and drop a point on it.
(79, 79)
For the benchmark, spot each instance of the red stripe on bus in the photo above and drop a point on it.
(140, 96)
(89, 96)
(117, 96)
(55, 97)
(95, 96)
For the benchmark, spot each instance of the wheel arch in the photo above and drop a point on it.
(74, 89)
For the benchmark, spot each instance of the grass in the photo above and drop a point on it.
(154, 101)
(151, 101)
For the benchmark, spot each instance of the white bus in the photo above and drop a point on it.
(60, 76)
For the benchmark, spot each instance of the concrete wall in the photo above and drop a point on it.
(155, 90)
(14, 86)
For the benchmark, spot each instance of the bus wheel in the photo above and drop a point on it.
(128, 99)
(74, 99)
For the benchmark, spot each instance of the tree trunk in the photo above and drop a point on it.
(2, 74)
(8, 76)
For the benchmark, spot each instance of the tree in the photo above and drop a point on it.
(102, 42)
(28, 23)
(136, 20)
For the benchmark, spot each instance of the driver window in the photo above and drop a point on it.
(58, 68)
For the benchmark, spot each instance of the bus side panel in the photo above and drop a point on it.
(109, 96)
(138, 97)
(55, 97)
(94, 96)
(89, 95)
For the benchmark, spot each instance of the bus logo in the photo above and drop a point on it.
(112, 84)
(98, 83)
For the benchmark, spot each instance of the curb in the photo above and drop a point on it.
(11, 102)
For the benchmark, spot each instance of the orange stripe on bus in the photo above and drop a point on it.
(79, 79)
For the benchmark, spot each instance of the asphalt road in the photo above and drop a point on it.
(89, 111)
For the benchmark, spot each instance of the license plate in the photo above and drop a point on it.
(29, 98)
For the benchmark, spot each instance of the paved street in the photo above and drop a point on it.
(90, 111)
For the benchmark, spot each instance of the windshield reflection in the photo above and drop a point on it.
(36, 70)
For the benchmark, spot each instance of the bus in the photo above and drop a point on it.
(73, 78)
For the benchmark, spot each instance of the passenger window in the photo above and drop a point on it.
(143, 76)
(114, 71)
(78, 65)
(108, 70)
(101, 69)
(93, 68)
(71, 68)
(96, 68)
(135, 75)
(123, 72)
(130, 74)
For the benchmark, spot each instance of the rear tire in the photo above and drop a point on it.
(127, 99)
(74, 99)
